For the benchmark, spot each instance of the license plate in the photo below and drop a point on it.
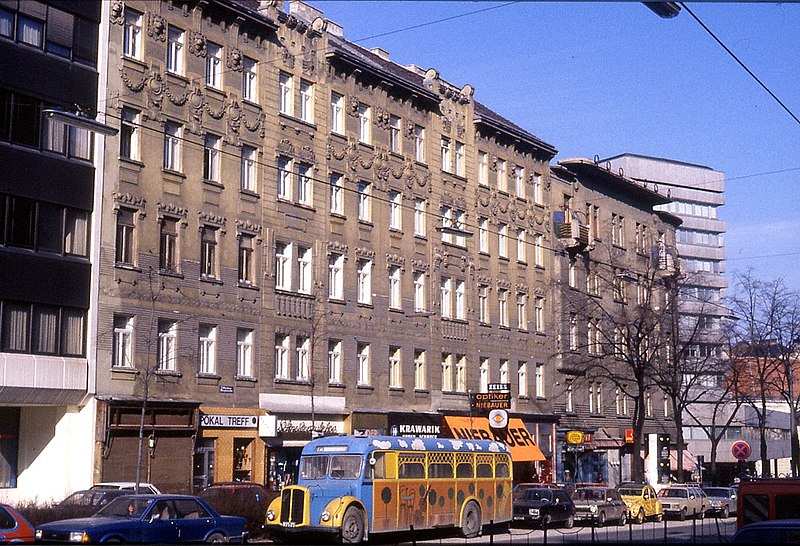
(288, 524)
(533, 511)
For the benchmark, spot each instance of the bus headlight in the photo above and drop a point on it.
(270, 515)
(326, 516)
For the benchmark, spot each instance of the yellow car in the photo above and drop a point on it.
(642, 502)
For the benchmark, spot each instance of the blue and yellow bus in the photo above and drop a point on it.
(350, 487)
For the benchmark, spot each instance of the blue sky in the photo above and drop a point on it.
(603, 78)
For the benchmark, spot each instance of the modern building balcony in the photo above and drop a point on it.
(27, 379)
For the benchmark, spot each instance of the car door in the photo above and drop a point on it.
(192, 520)
(158, 524)
(617, 507)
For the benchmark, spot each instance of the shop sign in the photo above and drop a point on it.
(304, 430)
(228, 421)
(574, 437)
(490, 400)
(420, 430)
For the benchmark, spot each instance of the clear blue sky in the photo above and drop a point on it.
(603, 78)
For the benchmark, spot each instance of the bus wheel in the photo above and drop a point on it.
(471, 521)
(352, 526)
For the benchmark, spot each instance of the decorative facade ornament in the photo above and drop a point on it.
(287, 57)
(117, 13)
(309, 65)
(248, 226)
(234, 116)
(155, 89)
(258, 126)
(128, 200)
(157, 27)
(336, 246)
(172, 209)
(212, 219)
(197, 44)
(365, 253)
(395, 259)
(419, 265)
(381, 118)
(235, 60)
(352, 106)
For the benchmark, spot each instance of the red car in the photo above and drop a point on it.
(13, 526)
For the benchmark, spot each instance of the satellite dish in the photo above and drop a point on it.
(431, 74)
(319, 24)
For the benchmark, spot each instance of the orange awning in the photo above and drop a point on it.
(516, 436)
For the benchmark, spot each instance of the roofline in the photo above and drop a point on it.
(643, 156)
(622, 183)
(524, 136)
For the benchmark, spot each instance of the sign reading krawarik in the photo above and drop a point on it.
(410, 424)
(228, 421)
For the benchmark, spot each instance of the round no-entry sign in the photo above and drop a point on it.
(740, 450)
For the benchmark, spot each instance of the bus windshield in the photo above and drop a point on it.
(337, 467)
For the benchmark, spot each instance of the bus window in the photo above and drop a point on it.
(345, 467)
(440, 470)
(502, 470)
(484, 470)
(314, 467)
(465, 470)
(377, 469)
(411, 469)
(787, 507)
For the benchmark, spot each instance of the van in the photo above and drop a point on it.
(768, 499)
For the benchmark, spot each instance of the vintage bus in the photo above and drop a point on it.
(351, 487)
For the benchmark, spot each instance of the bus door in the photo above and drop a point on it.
(465, 479)
(441, 490)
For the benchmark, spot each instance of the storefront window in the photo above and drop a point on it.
(9, 445)
(242, 459)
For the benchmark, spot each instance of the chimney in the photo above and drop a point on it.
(382, 53)
(303, 10)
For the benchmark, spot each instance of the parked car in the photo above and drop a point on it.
(721, 500)
(13, 526)
(683, 501)
(148, 519)
(778, 531)
(247, 499)
(545, 505)
(129, 487)
(642, 502)
(88, 501)
(599, 504)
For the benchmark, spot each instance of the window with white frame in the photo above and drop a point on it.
(502, 240)
(395, 295)
(447, 372)
(522, 313)
(286, 93)
(483, 375)
(213, 65)
(483, 235)
(419, 143)
(538, 191)
(420, 370)
(665, 400)
(595, 398)
(123, 341)
(504, 377)
(305, 269)
(132, 34)
(624, 404)
(446, 157)
(248, 177)
(395, 210)
(244, 352)
(208, 252)
(337, 193)
(281, 357)
(540, 380)
(129, 134)
(305, 191)
(283, 265)
(303, 349)
(336, 276)
(569, 402)
(175, 39)
(211, 157)
(364, 280)
(446, 292)
(420, 224)
(395, 368)
(452, 219)
(420, 301)
(594, 336)
(538, 313)
(502, 175)
(574, 334)
(538, 250)
(483, 168)
(364, 123)
(365, 202)
(519, 181)
(337, 113)
(502, 300)
(522, 378)
(249, 80)
(364, 364)
(247, 274)
(395, 142)
(648, 404)
(522, 246)
(617, 402)
(461, 166)
(306, 101)
(167, 345)
(461, 373)
(461, 299)
(284, 178)
(572, 267)
(207, 352)
(483, 304)
(617, 230)
(335, 360)
(173, 134)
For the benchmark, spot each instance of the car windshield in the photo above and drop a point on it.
(81, 498)
(589, 495)
(125, 507)
(532, 494)
(717, 492)
(346, 467)
(628, 492)
(674, 493)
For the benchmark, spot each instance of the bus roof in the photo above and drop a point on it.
(366, 444)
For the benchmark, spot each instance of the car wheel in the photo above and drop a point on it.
(640, 517)
(217, 537)
(352, 526)
(570, 522)
(726, 511)
(471, 521)
(702, 514)
(601, 519)
(682, 515)
(658, 517)
(623, 519)
(546, 519)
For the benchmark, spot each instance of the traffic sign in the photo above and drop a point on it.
(740, 450)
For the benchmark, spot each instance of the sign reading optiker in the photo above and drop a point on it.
(228, 421)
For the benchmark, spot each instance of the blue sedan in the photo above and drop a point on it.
(148, 519)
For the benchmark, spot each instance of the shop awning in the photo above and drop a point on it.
(689, 461)
(516, 436)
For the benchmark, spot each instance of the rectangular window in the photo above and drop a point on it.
(519, 181)
(364, 123)
(364, 364)
(461, 167)
(504, 371)
(364, 281)
(167, 345)
(538, 314)
(337, 113)
(395, 210)
(281, 357)
(306, 101)
(395, 368)
(336, 276)
(483, 235)
(125, 239)
(447, 372)
(446, 292)
(337, 193)
(420, 224)
(213, 65)
(395, 294)
(244, 352)
(207, 351)
(395, 142)
(447, 159)
(304, 270)
(522, 246)
(617, 230)
(6, 30)
(16, 332)
(522, 313)
(246, 260)
(419, 143)
(132, 34)
(168, 246)
(573, 332)
(538, 194)
(569, 403)
(419, 291)
(522, 378)
(502, 299)
(283, 266)
(335, 361)
(540, 380)
(248, 177)
(175, 50)
(461, 300)
(173, 134)
(249, 80)
(129, 134)
(461, 373)
(303, 348)
(538, 250)
(365, 202)
(123, 341)
(284, 178)
(286, 94)
(304, 187)
(420, 371)
(29, 31)
(208, 252)
(483, 168)
(484, 375)
(502, 241)
(483, 304)
(502, 175)
(9, 442)
(211, 158)
(76, 232)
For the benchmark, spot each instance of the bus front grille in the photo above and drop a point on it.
(293, 506)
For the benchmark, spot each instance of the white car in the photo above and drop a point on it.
(129, 486)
